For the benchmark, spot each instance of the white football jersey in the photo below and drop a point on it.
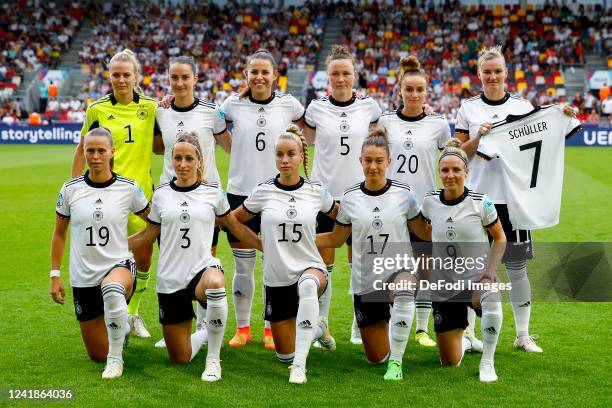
(458, 232)
(98, 215)
(203, 118)
(187, 219)
(414, 144)
(256, 126)
(379, 222)
(340, 128)
(485, 176)
(288, 227)
(530, 150)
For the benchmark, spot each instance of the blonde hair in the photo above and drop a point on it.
(410, 66)
(377, 137)
(192, 139)
(261, 54)
(487, 54)
(105, 133)
(128, 55)
(294, 133)
(339, 52)
(453, 148)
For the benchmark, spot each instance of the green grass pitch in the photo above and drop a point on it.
(40, 344)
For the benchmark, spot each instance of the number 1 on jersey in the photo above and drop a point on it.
(129, 129)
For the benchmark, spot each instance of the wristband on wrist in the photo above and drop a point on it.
(55, 273)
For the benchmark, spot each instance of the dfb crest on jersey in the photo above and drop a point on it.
(261, 121)
(98, 215)
(408, 144)
(184, 217)
(142, 113)
(291, 213)
(78, 309)
(377, 224)
(344, 127)
(451, 234)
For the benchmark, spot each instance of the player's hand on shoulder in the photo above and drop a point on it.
(57, 290)
(166, 101)
(428, 110)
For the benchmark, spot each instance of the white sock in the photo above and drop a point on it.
(307, 318)
(243, 285)
(491, 323)
(520, 296)
(197, 340)
(200, 313)
(115, 318)
(402, 315)
(471, 318)
(285, 358)
(423, 310)
(325, 299)
(217, 317)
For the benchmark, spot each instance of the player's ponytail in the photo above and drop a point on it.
(377, 137)
(411, 66)
(128, 55)
(453, 148)
(105, 133)
(192, 139)
(260, 54)
(294, 133)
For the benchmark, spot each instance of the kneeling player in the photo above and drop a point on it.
(379, 212)
(294, 272)
(96, 205)
(463, 218)
(183, 213)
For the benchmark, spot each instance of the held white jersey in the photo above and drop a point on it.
(98, 214)
(256, 126)
(187, 219)
(530, 149)
(487, 176)
(203, 118)
(414, 144)
(379, 222)
(288, 227)
(340, 128)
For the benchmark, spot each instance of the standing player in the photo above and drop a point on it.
(130, 116)
(294, 273)
(379, 213)
(257, 115)
(184, 212)
(188, 114)
(464, 217)
(102, 270)
(338, 123)
(415, 139)
(474, 120)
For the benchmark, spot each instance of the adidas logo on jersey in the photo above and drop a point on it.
(343, 115)
(215, 322)
(376, 209)
(495, 116)
(409, 132)
(99, 201)
(401, 324)
(261, 110)
(292, 200)
(450, 219)
(491, 330)
(184, 204)
(180, 124)
(111, 117)
(305, 324)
